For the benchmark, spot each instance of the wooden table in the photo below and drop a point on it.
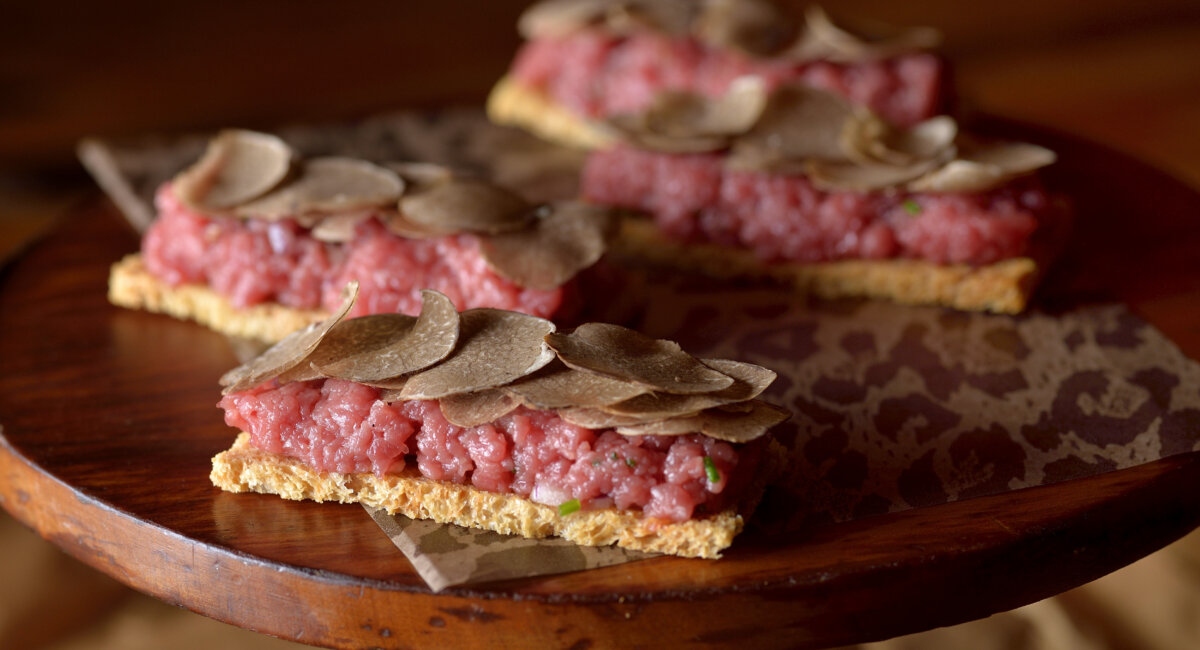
(109, 423)
(136, 505)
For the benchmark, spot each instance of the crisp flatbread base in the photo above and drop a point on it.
(510, 104)
(244, 468)
(131, 285)
(1003, 287)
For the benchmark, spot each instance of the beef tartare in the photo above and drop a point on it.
(806, 154)
(800, 184)
(587, 61)
(494, 419)
(254, 241)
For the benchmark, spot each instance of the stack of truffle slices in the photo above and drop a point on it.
(256, 241)
(800, 153)
(494, 419)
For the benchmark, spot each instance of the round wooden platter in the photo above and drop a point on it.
(109, 422)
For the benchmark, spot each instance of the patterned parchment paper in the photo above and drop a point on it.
(900, 407)
(895, 407)
(446, 555)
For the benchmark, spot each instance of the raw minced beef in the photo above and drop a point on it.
(695, 198)
(339, 426)
(596, 74)
(255, 261)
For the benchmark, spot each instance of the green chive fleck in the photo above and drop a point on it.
(710, 468)
(614, 456)
(631, 462)
(596, 462)
(568, 507)
(912, 207)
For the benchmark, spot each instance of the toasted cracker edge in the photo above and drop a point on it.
(243, 468)
(130, 285)
(1003, 287)
(510, 104)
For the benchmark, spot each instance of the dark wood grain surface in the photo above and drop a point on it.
(1123, 73)
(109, 423)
